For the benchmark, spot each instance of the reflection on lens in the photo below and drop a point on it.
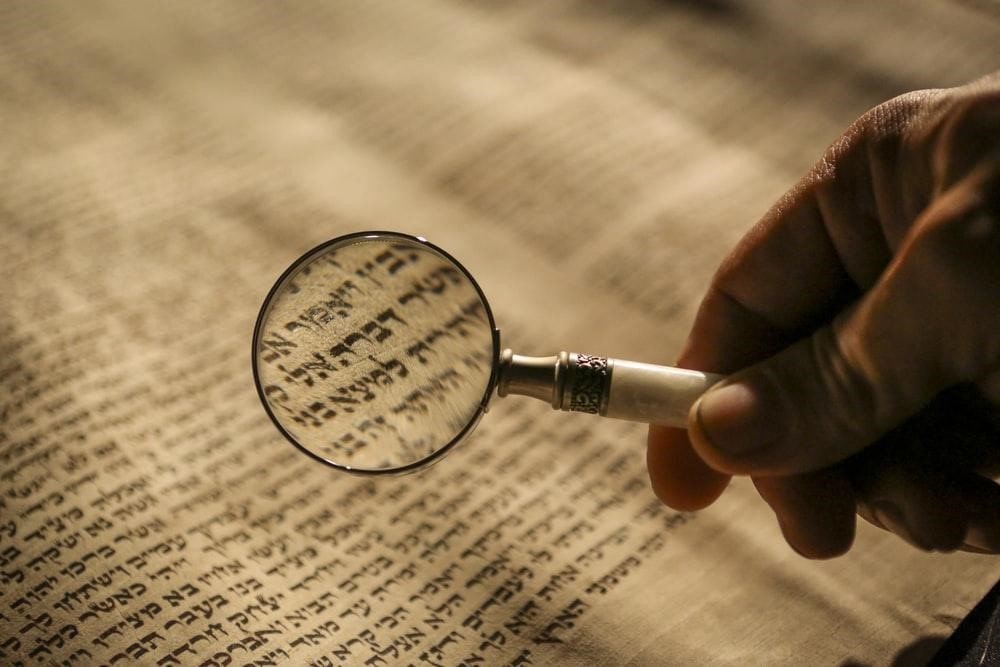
(375, 353)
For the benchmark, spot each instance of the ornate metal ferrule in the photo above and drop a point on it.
(587, 382)
(568, 381)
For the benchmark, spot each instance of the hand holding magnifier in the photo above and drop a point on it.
(377, 353)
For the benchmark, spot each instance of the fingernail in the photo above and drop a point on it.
(735, 419)
(891, 518)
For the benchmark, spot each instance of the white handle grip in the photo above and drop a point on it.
(654, 394)
(609, 387)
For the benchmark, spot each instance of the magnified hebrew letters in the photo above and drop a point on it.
(374, 353)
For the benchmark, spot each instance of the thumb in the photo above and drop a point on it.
(919, 329)
(803, 409)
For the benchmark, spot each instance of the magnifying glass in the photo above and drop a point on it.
(377, 353)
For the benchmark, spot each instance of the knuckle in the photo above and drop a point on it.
(901, 128)
(891, 118)
(880, 131)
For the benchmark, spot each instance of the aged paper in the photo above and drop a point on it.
(590, 163)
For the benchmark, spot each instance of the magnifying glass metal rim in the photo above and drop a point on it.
(344, 241)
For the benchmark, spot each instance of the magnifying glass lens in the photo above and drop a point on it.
(375, 353)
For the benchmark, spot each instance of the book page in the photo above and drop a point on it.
(589, 165)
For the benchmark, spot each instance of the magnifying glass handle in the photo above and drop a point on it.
(608, 387)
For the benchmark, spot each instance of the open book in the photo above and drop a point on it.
(590, 163)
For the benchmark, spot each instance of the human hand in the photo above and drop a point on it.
(864, 312)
